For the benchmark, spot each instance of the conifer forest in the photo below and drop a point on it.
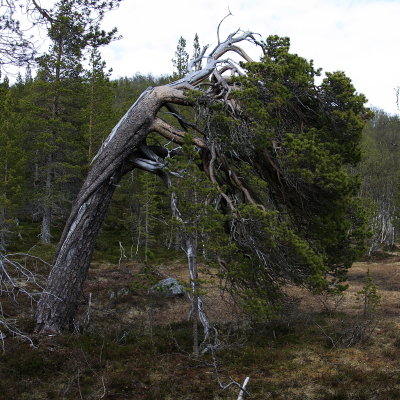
(227, 231)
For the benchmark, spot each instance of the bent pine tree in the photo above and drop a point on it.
(276, 147)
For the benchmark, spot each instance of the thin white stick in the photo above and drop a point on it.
(243, 389)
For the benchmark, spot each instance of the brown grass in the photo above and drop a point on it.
(137, 346)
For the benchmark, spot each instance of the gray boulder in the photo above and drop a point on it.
(168, 287)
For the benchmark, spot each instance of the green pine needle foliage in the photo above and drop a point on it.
(293, 145)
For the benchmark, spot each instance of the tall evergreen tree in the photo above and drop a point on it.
(181, 59)
(12, 162)
(196, 52)
(99, 113)
(73, 26)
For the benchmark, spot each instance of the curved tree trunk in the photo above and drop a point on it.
(59, 300)
(117, 156)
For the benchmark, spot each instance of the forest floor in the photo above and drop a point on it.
(134, 345)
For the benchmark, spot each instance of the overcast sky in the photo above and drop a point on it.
(360, 37)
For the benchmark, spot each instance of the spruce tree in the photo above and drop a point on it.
(73, 26)
(12, 162)
(99, 98)
(196, 52)
(181, 59)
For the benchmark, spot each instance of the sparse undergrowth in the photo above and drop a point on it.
(137, 346)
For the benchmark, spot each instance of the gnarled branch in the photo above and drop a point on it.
(119, 154)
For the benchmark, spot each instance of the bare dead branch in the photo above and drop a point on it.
(43, 12)
(184, 123)
(214, 180)
(238, 182)
(16, 280)
(195, 61)
(171, 133)
(231, 382)
(219, 25)
(118, 155)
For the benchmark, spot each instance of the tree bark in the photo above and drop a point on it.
(45, 231)
(191, 251)
(59, 300)
(58, 303)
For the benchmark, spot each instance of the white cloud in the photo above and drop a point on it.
(359, 37)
